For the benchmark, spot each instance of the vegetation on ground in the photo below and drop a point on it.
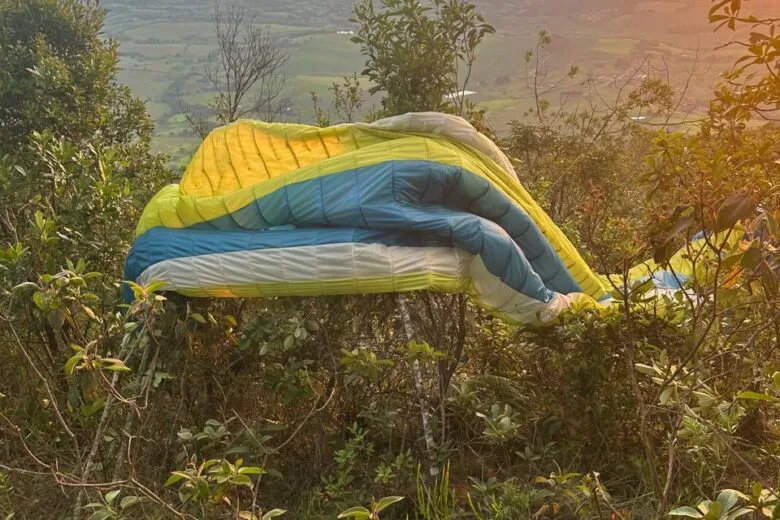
(308, 408)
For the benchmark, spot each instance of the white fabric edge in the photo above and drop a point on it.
(446, 125)
(351, 261)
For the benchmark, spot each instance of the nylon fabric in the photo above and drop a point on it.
(414, 202)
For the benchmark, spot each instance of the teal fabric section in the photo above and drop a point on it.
(445, 203)
(422, 196)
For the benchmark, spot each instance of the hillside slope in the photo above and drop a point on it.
(165, 42)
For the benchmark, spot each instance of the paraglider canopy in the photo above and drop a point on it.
(415, 202)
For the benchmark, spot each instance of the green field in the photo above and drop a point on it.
(616, 46)
(166, 42)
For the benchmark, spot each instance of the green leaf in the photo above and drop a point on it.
(713, 509)
(175, 477)
(751, 258)
(71, 363)
(666, 395)
(129, 502)
(243, 480)
(686, 511)
(647, 369)
(155, 286)
(732, 210)
(38, 298)
(198, 317)
(356, 512)
(209, 463)
(111, 496)
(742, 511)
(25, 285)
(683, 225)
(643, 288)
(56, 319)
(40, 220)
(251, 470)
(101, 515)
(117, 367)
(727, 499)
(273, 513)
(137, 289)
(755, 396)
(386, 502)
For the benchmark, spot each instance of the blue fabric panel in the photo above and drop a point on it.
(431, 227)
(394, 203)
(412, 195)
(669, 280)
(160, 244)
(665, 280)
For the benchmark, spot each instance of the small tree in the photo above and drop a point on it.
(65, 122)
(347, 97)
(246, 71)
(752, 87)
(416, 54)
(58, 74)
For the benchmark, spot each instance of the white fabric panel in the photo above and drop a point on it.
(327, 262)
(294, 266)
(209, 273)
(305, 263)
(372, 258)
(498, 295)
(450, 126)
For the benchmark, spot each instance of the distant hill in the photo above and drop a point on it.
(165, 42)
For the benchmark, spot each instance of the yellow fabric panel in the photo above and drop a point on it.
(249, 152)
(402, 283)
(187, 210)
(161, 210)
(698, 253)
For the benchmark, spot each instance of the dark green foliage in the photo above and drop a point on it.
(58, 76)
(415, 52)
(74, 145)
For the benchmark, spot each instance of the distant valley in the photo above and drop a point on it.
(164, 44)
